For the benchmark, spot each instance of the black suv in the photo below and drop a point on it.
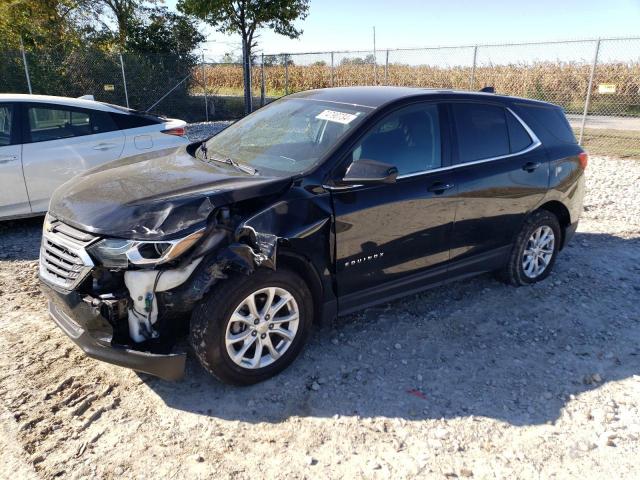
(320, 204)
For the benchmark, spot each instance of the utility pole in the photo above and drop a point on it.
(26, 66)
(375, 58)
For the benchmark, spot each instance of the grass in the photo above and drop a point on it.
(614, 143)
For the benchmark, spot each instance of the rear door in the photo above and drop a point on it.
(501, 171)
(13, 193)
(61, 142)
(391, 238)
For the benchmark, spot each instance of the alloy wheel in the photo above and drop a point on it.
(262, 327)
(538, 251)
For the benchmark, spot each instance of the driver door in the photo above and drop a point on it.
(394, 238)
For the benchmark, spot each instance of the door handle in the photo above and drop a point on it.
(531, 166)
(7, 159)
(440, 187)
(104, 146)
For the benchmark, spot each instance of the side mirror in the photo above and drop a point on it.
(366, 172)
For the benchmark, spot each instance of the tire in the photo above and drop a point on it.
(213, 334)
(514, 272)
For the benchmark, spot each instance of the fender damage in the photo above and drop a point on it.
(143, 311)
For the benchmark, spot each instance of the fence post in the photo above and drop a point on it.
(204, 87)
(26, 67)
(332, 71)
(262, 81)
(587, 100)
(286, 74)
(386, 69)
(473, 67)
(124, 81)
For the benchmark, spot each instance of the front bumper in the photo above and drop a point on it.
(93, 334)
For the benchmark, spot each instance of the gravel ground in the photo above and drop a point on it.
(475, 379)
(201, 131)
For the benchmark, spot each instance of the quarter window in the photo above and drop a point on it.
(481, 131)
(5, 125)
(409, 139)
(519, 139)
(126, 121)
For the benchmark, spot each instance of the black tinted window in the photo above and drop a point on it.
(552, 119)
(5, 125)
(409, 139)
(102, 122)
(481, 131)
(518, 136)
(125, 121)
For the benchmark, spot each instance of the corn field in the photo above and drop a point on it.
(562, 83)
(597, 82)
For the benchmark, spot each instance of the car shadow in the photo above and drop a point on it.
(470, 348)
(22, 238)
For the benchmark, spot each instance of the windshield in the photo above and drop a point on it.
(286, 137)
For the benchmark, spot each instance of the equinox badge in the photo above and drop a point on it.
(375, 256)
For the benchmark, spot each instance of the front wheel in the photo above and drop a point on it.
(535, 250)
(252, 327)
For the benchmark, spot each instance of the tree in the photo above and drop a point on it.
(124, 12)
(163, 32)
(42, 24)
(245, 17)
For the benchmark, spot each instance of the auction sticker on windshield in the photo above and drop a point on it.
(338, 117)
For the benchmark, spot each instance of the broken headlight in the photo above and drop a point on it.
(118, 253)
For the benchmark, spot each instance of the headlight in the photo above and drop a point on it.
(116, 253)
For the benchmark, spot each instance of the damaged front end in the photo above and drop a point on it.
(127, 302)
(108, 311)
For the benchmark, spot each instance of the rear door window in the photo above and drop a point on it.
(481, 131)
(48, 123)
(409, 139)
(6, 118)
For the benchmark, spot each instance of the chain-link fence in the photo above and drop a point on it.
(597, 82)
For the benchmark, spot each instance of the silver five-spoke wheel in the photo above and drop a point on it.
(538, 251)
(262, 327)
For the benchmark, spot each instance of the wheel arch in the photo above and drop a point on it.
(302, 266)
(561, 212)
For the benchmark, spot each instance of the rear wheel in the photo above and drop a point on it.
(252, 327)
(535, 250)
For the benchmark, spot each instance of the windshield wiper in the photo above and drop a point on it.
(238, 166)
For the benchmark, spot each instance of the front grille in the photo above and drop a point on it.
(63, 257)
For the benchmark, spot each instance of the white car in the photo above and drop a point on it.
(44, 141)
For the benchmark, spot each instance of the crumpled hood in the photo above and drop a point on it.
(154, 195)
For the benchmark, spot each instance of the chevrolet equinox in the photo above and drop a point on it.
(319, 204)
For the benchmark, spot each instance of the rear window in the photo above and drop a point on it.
(481, 131)
(551, 119)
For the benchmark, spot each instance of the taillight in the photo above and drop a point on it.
(178, 131)
(584, 160)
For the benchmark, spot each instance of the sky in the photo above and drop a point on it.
(348, 24)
